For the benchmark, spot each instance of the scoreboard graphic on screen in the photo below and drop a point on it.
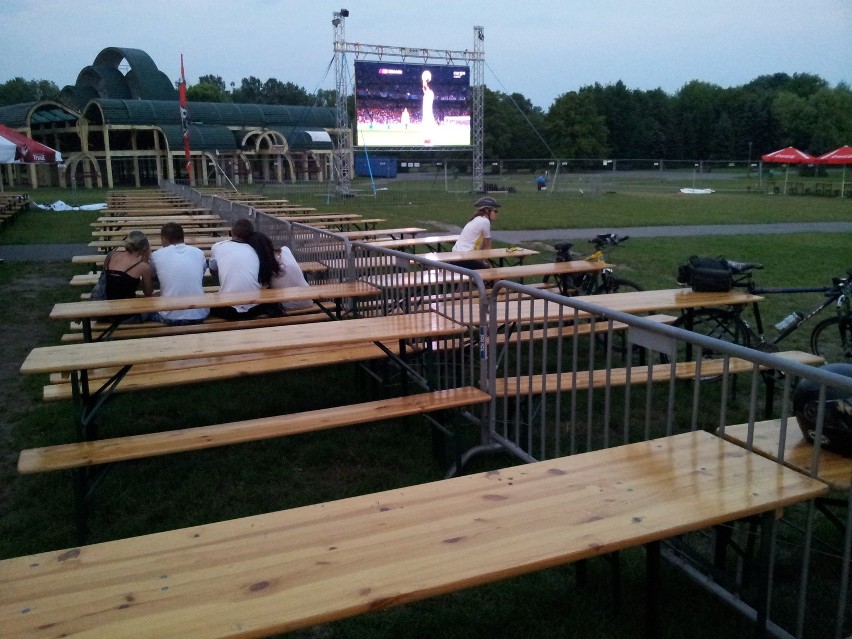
(412, 105)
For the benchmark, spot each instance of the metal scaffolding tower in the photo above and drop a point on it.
(343, 153)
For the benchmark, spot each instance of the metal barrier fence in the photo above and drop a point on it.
(568, 376)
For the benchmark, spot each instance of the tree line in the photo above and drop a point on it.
(701, 121)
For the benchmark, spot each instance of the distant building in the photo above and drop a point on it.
(120, 125)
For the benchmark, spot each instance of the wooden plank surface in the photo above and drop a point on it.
(834, 469)
(88, 453)
(73, 357)
(429, 240)
(630, 302)
(106, 308)
(282, 571)
(540, 270)
(599, 378)
(481, 254)
(392, 233)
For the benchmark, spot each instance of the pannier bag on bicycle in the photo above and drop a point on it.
(706, 274)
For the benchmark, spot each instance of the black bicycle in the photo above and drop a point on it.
(831, 338)
(598, 282)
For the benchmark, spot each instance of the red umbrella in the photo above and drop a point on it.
(788, 156)
(843, 156)
(17, 148)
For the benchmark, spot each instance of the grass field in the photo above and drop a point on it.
(36, 512)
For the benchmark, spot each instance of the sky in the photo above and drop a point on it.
(540, 50)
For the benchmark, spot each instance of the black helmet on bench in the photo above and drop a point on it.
(486, 203)
(837, 424)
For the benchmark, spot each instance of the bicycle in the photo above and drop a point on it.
(831, 338)
(598, 282)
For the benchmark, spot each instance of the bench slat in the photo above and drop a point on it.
(584, 328)
(553, 382)
(103, 451)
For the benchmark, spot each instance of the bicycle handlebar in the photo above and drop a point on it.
(608, 239)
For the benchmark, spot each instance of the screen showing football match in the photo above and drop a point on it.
(411, 105)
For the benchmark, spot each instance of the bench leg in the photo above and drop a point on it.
(767, 551)
(652, 576)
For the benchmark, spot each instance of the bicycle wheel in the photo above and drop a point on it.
(618, 285)
(713, 322)
(832, 339)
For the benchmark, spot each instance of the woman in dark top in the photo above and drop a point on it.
(126, 270)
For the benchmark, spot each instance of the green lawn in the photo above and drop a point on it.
(36, 512)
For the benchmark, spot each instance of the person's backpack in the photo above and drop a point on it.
(706, 274)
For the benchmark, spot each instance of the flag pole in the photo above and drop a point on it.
(184, 119)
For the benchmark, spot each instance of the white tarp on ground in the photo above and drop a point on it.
(59, 205)
(697, 191)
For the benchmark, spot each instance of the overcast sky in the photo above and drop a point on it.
(538, 49)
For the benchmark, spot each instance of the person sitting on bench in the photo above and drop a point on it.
(180, 271)
(237, 265)
(476, 234)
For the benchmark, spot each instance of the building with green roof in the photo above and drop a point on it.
(120, 125)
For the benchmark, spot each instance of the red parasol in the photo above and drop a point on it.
(843, 156)
(17, 148)
(788, 156)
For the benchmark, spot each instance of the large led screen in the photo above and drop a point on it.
(411, 105)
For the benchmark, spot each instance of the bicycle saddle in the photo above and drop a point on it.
(742, 267)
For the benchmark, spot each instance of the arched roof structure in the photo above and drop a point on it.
(104, 79)
(123, 113)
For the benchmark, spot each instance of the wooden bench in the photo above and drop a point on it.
(365, 224)
(394, 234)
(103, 451)
(279, 572)
(798, 453)
(201, 241)
(153, 220)
(635, 302)
(431, 242)
(151, 232)
(499, 255)
(103, 330)
(600, 378)
(584, 328)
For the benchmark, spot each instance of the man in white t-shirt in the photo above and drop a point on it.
(237, 265)
(180, 271)
(476, 234)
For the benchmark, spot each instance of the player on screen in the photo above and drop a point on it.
(427, 119)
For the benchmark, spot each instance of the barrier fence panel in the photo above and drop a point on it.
(411, 284)
(330, 251)
(568, 376)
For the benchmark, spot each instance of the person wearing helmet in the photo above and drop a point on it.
(476, 234)
(836, 434)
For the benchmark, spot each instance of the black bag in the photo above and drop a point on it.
(706, 274)
(99, 292)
